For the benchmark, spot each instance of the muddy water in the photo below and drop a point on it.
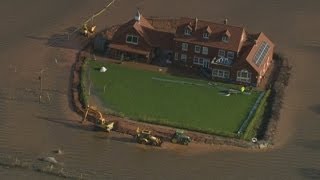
(32, 37)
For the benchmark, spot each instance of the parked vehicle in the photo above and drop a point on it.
(87, 30)
(99, 121)
(145, 137)
(180, 138)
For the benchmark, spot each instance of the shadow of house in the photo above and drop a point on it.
(100, 44)
(69, 39)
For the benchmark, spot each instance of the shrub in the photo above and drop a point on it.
(83, 80)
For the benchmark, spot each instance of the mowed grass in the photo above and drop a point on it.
(134, 94)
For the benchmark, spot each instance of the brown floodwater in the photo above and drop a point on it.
(32, 37)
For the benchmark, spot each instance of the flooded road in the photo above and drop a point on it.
(33, 38)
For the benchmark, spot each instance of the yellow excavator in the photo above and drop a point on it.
(87, 30)
(145, 137)
(99, 122)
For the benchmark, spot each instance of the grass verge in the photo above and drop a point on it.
(256, 120)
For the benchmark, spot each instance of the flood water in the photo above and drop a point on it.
(32, 38)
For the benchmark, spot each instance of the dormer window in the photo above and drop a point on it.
(205, 35)
(225, 39)
(187, 31)
(226, 36)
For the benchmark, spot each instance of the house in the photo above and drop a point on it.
(229, 52)
(139, 40)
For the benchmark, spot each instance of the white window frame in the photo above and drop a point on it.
(221, 53)
(220, 73)
(230, 55)
(200, 61)
(195, 60)
(244, 76)
(225, 39)
(184, 46)
(205, 50)
(197, 49)
(176, 56)
(187, 31)
(183, 57)
(131, 41)
(205, 35)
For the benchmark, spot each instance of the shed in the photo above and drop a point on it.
(99, 43)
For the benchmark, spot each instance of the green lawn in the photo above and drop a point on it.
(135, 94)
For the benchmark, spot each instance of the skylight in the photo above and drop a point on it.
(261, 53)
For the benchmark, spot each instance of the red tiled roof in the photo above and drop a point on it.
(251, 47)
(164, 24)
(153, 37)
(218, 30)
(160, 38)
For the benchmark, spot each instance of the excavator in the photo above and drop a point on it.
(100, 122)
(87, 30)
(145, 137)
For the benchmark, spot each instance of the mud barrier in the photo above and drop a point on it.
(277, 83)
(127, 126)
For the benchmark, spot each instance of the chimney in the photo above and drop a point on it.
(137, 16)
(196, 24)
(225, 21)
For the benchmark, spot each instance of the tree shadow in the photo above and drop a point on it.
(69, 38)
(310, 173)
(67, 123)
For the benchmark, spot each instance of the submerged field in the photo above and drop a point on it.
(164, 99)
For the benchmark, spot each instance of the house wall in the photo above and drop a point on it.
(247, 66)
(212, 52)
(121, 39)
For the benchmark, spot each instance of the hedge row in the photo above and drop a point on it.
(256, 120)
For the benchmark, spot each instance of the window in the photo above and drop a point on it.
(197, 49)
(225, 39)
(225, 74)
(195, 60)
(221, 53)
(187, 31)
(184, 57)
(205, 35)
(230, 55)
(204, 50)
(201, 61)
(184, 47)
(131, 39)
(244, 76)
(176, 56)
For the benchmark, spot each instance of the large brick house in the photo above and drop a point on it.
(229, 52)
